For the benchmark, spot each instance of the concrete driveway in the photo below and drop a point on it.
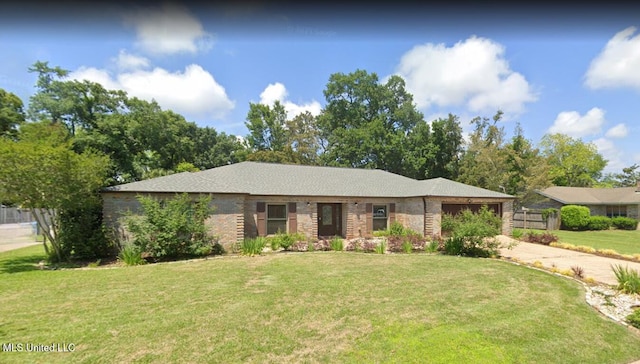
(14, 236)
(597, 267)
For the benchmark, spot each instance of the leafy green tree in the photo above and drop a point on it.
(365, 122)
(51, 180)
(267, 127)
(11, 113)
(527, 170)
(73, 103)
(484, 163)
(447, 146)
(628, 178)
(213, 149)
(571, 161)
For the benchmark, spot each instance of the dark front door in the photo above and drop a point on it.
(329, 219)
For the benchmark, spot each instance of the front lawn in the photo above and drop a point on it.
(622, 241)
(306, 307)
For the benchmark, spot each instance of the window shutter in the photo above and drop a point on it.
(369, 211)
(392, 213)
(262, 218)
(293, 218)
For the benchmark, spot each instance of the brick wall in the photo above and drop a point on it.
(226, 223)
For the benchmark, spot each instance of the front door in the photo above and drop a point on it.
(329, 219)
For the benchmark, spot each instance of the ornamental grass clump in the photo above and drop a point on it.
(252, 246)
(628, 279)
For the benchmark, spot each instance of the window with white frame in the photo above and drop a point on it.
(276, 219)
(380, 217)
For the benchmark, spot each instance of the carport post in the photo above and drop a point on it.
(524, 209)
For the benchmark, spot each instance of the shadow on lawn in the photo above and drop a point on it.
(22, 263)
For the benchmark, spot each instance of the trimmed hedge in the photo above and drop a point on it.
(575, 217)
(624, 223)
(599, 223)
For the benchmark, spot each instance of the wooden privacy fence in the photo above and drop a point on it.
(533, 219)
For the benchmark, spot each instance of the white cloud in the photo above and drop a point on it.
(618, 131)
(278, 92)
(169, 29)
(618, 63)
(127, 61)
(612, 154)
(575, 125)
(191, 92)
(471, 72)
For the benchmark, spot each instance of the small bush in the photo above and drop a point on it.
(624, 223)
(454, 246)
(599, 223)
(131, 255)
(431, 247)
(407, 247)
(396, 229)
(473, 234)
(634, 319)
(517, 234)
(578, 271)
(284, 241)
(542, 238)
(575, 217)
(336, 244)
(253, 246)
(628, 279)
(448, 224)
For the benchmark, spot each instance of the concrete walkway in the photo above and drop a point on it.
(594, 266)
(14, 236)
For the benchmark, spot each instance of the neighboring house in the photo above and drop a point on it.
(258, 199)
(621, 201)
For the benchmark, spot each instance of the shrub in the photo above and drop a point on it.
(628, 279)
(624, 223)
(599, 223)
(575, 217)
(396, 229)
(517, 233)
(171, 228)
(253, 246)
(578, 271)
(543, 238)
(81, 233)
(431, 247)
(634, 319)
(396, 244)
(448, 224)
(131, 255)
(407, 247)
(474, 234)
(336, 244)
(281, 240)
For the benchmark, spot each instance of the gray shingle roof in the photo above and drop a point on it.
(257, 178)
(592, 196)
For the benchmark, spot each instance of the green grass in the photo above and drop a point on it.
(622, 241)
(306, 307)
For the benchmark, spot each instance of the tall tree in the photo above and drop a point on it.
(484, 162)
(11, 113)
(267, 127)
(77, 104)
(365, 123)
(52, 179)
(447, 146)
(571, 161)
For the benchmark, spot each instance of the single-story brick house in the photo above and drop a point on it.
(258, 199)
(621, 201)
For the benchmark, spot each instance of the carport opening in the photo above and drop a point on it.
(455, 208)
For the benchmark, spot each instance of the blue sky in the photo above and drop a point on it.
(575, 71)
